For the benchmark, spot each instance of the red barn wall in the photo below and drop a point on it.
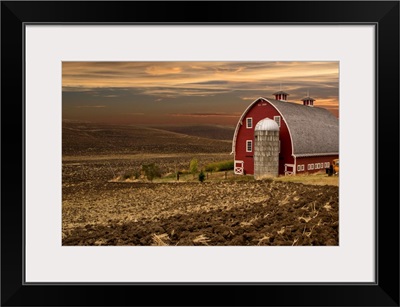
(313, 160)
(259, 111)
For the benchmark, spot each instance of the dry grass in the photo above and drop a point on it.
(201, 239)
(265, 238)
(314, 179)
(249, 222)
(161, 240)
(310, 179)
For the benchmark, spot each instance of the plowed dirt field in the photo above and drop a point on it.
(225, 213)
(98, 211)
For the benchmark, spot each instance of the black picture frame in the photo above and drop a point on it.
(383, 14)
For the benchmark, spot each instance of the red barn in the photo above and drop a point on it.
(308, 135)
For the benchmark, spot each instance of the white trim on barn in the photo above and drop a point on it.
(290, 172)
(316, 154)
(240, 122)
(287, 126)
(238, 169)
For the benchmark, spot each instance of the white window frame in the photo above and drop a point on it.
(277, 119)
(300, 167)
(327, 164)
(310, 166)
(247, 145)
(316, 165)
(247, 122)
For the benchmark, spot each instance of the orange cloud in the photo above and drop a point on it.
(167, 81)
(160, 70)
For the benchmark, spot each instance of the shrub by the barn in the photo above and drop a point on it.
(219, 166)
(202, 176)
(129, 174)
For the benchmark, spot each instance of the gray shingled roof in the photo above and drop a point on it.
(314, 130)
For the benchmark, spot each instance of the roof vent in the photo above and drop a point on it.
(308, 101)
(281, 95)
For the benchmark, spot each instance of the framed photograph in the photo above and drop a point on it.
(154, 157)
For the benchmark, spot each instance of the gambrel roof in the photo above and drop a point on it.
(314, 131)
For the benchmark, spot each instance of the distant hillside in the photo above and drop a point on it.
(99, 139)
(205, 131)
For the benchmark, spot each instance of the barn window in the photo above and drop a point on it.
(316, 165)
(277, 119)
(300, 167)
(249, 146)
(249, 122)
(326, 164)
(310, 166)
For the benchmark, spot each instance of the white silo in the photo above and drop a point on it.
(266, 149)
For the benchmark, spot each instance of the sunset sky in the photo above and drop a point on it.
(150, 93)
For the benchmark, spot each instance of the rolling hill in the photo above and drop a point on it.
(100, 139)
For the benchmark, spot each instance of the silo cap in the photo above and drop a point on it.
(267, 124)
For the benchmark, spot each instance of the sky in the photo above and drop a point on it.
(172, 93)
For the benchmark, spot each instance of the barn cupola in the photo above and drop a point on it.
(281, 95)
(308, 101)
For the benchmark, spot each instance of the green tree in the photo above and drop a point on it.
(151, 171)
(193, 167)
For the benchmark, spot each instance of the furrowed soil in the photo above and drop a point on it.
(97, 210)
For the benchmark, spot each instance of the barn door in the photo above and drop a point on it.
(289, 169)
(239, 167)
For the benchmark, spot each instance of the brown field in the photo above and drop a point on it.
(226, 209)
